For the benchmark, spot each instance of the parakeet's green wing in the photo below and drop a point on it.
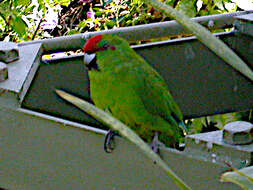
(152, 88)
(154, 93)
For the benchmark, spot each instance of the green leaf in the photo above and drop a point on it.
(82, 24)
(62, 2)
(106, 2)
(74, 31)
(219, 4)
(170, 2)
(187, 7)
(42, 6)
(197, 125)
(242, 177)
(110, 23)
(223, 119)
(22, 2)
(18, 25)
(29, 9)
(4, 6)
(231, 7)
(206, 2)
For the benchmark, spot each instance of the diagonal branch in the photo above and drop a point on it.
(124, 131)
(206, 37)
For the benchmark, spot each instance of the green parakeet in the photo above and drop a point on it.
(125, 85)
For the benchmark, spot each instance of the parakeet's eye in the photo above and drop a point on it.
(105, 46)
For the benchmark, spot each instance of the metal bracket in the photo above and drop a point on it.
(214, 146)
(244, 24)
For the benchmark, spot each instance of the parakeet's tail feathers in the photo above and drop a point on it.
(184, 127)
(175, 110)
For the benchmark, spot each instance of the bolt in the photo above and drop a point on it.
(210, 24)
(8, 52)
(3, 72)
(238, 133)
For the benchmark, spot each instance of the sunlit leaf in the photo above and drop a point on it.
(110, 23)
(243, 177)
(219, 4)
(19, 25)
(106, 2)
(187, 7)
(62, 2)
(206, 1)
(223, 119)
(82, 24)
(199, 4)
(231, 7)
(71, 32)
(42, 5)
(4, 6)
(22, 2)
(170, 2)
(29, 9)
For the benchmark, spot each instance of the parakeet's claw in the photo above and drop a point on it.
(156, 143)
(109, 143)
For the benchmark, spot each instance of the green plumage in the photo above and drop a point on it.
(132, 91)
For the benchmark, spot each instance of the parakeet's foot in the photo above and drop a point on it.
(109, 143)
(156, 143)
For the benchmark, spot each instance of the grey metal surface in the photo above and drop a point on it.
(244, 24)
(238, 132)
(40, 152)
(9, 52)
(3, 72)
(246, 17)
(21, 73)
(211, 147)
(20, 69)
(139, 32)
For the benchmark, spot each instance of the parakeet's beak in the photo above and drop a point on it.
(90, 61)
(88, 58)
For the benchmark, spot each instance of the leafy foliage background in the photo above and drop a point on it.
(23, 20)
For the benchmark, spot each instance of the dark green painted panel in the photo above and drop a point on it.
(200, 82)
(70, 75)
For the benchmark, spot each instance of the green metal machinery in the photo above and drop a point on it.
(46, 143)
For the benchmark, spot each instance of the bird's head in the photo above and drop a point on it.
(99, 43)
(106, 43)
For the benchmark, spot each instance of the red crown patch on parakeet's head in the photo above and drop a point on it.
(91, 45)
(98, 43)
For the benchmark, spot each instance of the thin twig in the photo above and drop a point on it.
(37, 29)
